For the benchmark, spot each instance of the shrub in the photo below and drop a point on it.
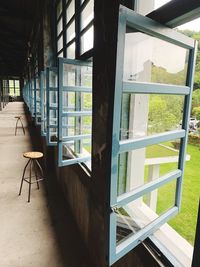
(194, 139)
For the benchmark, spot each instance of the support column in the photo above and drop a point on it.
(154, 171)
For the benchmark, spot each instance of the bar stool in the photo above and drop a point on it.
(34, 165)
(19, 119)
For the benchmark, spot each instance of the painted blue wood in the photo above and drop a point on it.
(50, 107)
(151, 27)
(76, 113)
(64, 136)
(154, 88)
(77, 89)
(185, 123)
(132, 144)
(68, 162)
(146, 188)
(140, 236)
(117, 108)
(76, 137)
(137, 22)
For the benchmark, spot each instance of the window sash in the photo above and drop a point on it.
(133, 20)
(43, 103)
(50, 108)
(62, 114)
(37, 100)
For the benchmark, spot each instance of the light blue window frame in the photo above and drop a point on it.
(63, 114)
(32, 97)
(52, 106)
(43, 103)
(133, 20)
(37, 100)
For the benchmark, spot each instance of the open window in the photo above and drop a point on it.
(154, 69)
(52, 105)
(75, 112)
(43, 103)
(37, 100)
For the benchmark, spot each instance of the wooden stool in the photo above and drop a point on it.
(33, 162)
(19, 119)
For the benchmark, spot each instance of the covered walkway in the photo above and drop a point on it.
(35, 233)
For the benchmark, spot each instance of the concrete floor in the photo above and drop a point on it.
(40, 233)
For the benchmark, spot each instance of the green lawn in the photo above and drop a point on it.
(185, 222)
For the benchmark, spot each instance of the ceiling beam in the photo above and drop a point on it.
(176, 12)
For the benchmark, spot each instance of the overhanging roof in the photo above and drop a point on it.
(16, 23)
(176, 12)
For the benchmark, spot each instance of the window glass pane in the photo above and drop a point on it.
(134, 216)
(86, 77)
(53, 133)
(53, 117)
(59, 8)
(60, 26)
(60, 54)
(17, 92)
(70, 32)
(87, 40)
(87, 14)
(53, 79)
(11, 83)
(162, 62)
(140, 166)
(68, 99)
(87, 101)
(72, 149)
(53, 99)
(71, 51)
(16, 83)
(148, 114)
(60, 43)
(70, 11)
(78, 125)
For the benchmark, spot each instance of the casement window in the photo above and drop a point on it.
(75, 112)
(37, 100)
(43, 103)
(14, 89)
(74, 28)
(52, 105)
(32, 97)
(59, 27)
(154, 73)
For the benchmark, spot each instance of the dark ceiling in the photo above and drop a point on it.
(16, 23)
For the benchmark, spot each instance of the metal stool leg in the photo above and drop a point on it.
(22, 126)
(20, 190)
(36, 177)
(29, 189)
(40, 168)
(16, 126)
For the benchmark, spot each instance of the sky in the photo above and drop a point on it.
(192, 25)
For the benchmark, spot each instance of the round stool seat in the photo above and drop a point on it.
(18, 117)
(33, 155)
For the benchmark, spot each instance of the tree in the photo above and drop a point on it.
(165, 113)
(196, 112)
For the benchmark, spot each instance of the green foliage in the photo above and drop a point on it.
(194, 139)
(196, 98)
(165, 112)
(160, 75)
(196, 112)
(185, 222)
